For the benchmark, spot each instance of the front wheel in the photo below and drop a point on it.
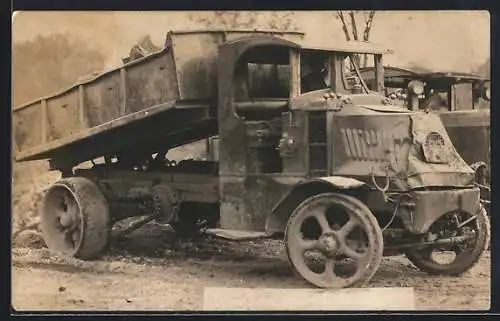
(458, 258)
(75, 218)
(334, 241)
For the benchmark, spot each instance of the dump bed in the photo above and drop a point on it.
(169, 91)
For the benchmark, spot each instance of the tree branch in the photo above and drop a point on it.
(354, 27)
(368, 26)
(344, 25)
(366, 33)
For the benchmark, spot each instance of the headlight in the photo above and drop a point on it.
(416, 87)
(435, 150)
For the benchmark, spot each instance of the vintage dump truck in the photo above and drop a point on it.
(462, 100)
(327, 165)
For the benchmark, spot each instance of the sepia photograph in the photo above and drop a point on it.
(329, 160)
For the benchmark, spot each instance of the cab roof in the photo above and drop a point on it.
(300, 41)
(360, 47)
(422, 73)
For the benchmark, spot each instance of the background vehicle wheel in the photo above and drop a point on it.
(463, 256)
(334, 241)
(75, 218)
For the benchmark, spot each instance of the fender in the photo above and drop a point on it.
(276, 220)
(340, 182)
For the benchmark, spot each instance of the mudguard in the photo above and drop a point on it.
(340, 182)
(276, 220)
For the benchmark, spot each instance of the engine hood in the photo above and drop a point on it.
(411, 149)
(325, 99)
(372, 139)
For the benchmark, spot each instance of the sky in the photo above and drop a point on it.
(444, 40)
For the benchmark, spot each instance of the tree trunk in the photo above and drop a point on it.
(368, 25)
(366, 33)
(354, 27)
(344, 25)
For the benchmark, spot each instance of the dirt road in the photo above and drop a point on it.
(149, 271)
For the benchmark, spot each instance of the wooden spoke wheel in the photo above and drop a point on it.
(75, 218)
(334, 241)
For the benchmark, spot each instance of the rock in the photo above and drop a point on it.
(29, 238)
(115, 266)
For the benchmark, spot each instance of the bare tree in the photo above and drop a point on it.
(353, 25)
(340, 15)
(368, 23)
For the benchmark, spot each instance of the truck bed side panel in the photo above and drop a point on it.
(27, 126)
(103, 100)
(195, 61)
(131, 88)
(151, 83)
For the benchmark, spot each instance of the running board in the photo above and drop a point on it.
(237, 235)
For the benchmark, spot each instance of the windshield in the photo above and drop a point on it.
(314, 71)
(351, 76)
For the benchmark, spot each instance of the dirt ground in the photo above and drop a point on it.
(149, 270)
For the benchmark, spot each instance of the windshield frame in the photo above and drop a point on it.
(355, 71)
(358, 73)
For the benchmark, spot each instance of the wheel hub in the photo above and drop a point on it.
(329, 244)
(471, 235)
(66, 221)
(66, 217)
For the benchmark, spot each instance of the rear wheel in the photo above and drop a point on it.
(334, 241)
(457, 258)
(75, 218)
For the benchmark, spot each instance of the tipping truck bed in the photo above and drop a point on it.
(168, 97)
